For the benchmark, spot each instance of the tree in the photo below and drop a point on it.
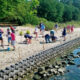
(51, 10)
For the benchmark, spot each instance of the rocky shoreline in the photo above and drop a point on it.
(57, 68)
(27, 68)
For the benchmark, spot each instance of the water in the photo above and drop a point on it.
(74, 73)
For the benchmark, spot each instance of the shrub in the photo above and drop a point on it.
(27, 32)
(21, 33)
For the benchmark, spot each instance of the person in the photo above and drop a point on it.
(64, 33)
(52, 33)
(1, 38)
(9, 36)
(68, 28)
(56, 27)
(36, 32)
(42, 29)
(12, 29)
(28, 37)
(13, 40)
(47, 38)
(53, 38)
(72, 28)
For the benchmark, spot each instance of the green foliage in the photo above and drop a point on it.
(51, 10)
(36, 11)
(16, 11)
(59, 11)
(27, 32)
(21, 33)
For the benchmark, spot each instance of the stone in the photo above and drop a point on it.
(71, 63)
(36, 77)
(61, 70)
(78, 65)
(40, 69)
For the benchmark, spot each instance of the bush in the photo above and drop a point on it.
(48, 24)
(21, 33)
(27, 32)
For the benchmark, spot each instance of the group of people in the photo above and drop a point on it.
(49, 37)
(10, 37)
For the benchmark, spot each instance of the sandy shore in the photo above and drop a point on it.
(23, 50)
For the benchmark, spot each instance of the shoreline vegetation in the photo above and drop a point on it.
(33, 12)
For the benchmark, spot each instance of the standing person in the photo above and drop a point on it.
(72, 28)
(1, 38)
(12, 29)
(9, 36)
(56, 27)
(64, 33)
(68, 28)
(42, 29)
(36, 32)
(13, 40)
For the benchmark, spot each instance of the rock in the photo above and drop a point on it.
(75, 56)
(48, 67)
(61, 70)
(40, 69)
(78, 53)
(71, 63)
(64, 63)
(57, 67)
(78, 66)
(36, 77)
(54, 71)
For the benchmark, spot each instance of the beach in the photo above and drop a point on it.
(23, 51)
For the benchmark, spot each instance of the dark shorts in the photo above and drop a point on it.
(1, 38)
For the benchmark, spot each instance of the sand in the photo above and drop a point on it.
(26, 50)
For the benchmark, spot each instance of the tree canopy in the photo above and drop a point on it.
(29, 11)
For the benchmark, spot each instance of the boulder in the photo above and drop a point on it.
(36, 77)
(71, 63)
(61, 70)
(78, 65)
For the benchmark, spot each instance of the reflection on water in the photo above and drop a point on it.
(74, 71)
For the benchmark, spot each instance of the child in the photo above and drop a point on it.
(72, 28)
(28, 37)
(13, 40)
(56, 27)
(9, 36)
(12, 29)
(42, 29)
(1, 38)
(36, 32)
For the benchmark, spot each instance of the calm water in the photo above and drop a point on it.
(74, 73)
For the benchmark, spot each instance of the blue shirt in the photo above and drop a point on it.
(42, 27)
